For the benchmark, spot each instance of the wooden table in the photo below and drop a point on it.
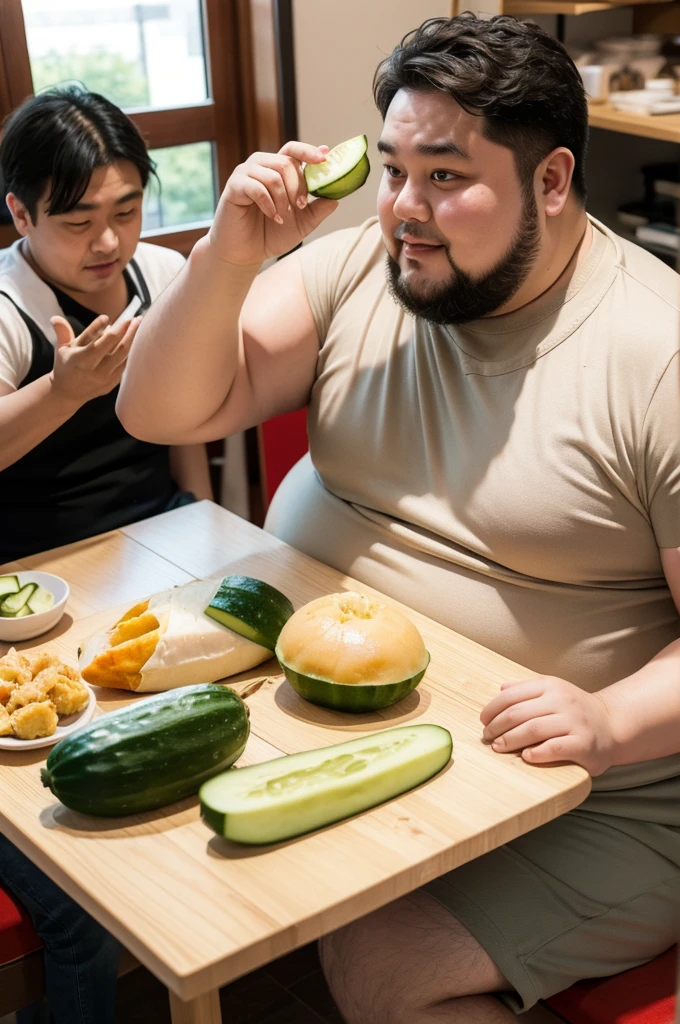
(198, 911)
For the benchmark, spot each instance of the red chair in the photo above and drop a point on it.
(21, 963)
(282, 441)
(643, 995)
(22, 976)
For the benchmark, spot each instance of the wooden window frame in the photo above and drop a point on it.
(221, 120)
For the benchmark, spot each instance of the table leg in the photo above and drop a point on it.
(204, 1010)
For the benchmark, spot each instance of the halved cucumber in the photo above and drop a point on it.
(289, 796)
(41, 600)
(344, 171)
(13, 603)
(251, 608)
(22, 611)
(8, 585)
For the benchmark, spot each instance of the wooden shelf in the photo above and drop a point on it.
(665, 127)
(520, 7)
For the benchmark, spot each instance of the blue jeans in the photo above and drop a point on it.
(81, 957)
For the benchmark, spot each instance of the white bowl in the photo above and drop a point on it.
(29, 626)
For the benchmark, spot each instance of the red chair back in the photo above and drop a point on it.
(283, 440)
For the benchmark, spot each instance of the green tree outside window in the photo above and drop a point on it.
(187, 191)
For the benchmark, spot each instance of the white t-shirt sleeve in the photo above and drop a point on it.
(159, 265)
(16, 349)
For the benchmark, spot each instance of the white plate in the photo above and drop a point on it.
(67, 724)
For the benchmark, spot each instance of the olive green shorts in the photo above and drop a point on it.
(585, 896)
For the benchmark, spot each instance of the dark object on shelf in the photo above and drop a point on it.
(627, 79)
(662, 180)
(661, 188)
(639, 212)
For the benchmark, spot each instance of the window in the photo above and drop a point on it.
(177, 67)
(187, 192)
(136, 54)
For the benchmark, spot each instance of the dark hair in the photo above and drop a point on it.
(518, 77)
(60, 137)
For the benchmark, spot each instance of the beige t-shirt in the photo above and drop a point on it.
(513, 478)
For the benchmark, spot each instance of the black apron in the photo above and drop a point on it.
(90, 475)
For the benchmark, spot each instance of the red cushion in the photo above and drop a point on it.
(17, 937)
(643, 995)
(283, 440)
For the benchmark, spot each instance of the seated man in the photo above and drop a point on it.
(74, 168)
(494, 411)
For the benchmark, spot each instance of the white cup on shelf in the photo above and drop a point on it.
(595, 81)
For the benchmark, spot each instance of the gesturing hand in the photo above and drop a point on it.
(91, 364)
(549, 719)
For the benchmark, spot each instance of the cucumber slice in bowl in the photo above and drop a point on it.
(8, 585)
(280, 799)
(344, 171)
(41, 600)
(13, 603)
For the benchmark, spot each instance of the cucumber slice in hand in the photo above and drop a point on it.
(8, 585)
(41, 600)
(279, 799)
(344, 171)
(13, 603)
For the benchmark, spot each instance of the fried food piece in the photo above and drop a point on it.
(132, 613)
(34, 692)
(130, 628)
(70, 673)
(15, 658)
(15, 670)
(34, 721)
(5, 723)
(120, 666)
(69, 696)
(42, 660)
(6, 688)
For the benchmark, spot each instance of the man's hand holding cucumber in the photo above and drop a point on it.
(264, 210)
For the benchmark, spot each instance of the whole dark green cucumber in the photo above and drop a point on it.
(149, 754)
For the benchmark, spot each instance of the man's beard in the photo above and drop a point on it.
(464, 298)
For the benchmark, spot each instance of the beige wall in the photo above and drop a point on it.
(337, 48)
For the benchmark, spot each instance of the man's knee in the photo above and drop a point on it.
(405, 957)
(362, 995)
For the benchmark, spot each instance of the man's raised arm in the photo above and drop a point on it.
(208, 358)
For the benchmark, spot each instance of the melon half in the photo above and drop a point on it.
(352, 653)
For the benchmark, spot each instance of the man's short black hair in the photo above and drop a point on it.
(59, 138)
(519, 78)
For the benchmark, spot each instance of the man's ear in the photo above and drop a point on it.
(555, 173)
(20, 215)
